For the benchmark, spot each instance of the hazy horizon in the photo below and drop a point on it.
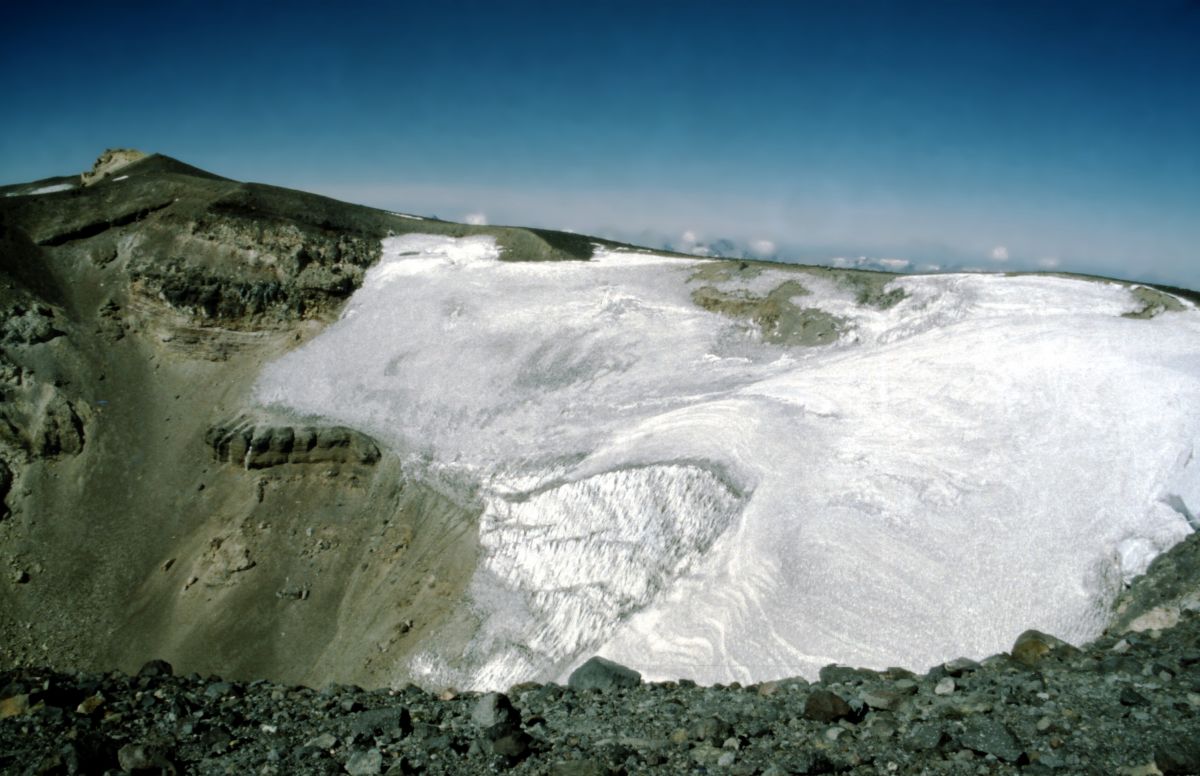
(993, 135)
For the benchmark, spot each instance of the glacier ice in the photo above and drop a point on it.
(659, 484)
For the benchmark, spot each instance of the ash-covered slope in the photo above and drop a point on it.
(145, 512)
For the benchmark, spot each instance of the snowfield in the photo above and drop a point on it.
(660, 484)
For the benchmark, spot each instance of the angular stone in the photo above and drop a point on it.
(924, 736)
(1158, 618)
(508, 741)
(600, 674)
(1033, 646)
(396, 722)
(493, 709)
(145, 757)
(960, 666)
(156, 668)
(368, 763)
(324, 741)
(989, 736)
(826, 706)
(836, 674)
(1180, 754)
(14, 706)
(885, 700)
(90, 704)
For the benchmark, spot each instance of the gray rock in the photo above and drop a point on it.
(394, 722)
(712, 729)
(960, 666)
(924, 736)
(367, 763)
(836, 674)
(990, 736)
(218, 690)
(1180, 754)
(324, 741)
(885, 700)
(600, 674)
(493, 709)
(156, 668)
(139, 758)
(507, 741)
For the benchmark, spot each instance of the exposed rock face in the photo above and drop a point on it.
(285, 271)
(258, 446)
(109, 162)
(780, 319)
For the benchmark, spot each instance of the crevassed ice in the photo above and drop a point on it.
(658, 485)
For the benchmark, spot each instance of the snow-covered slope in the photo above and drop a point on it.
(688, 487)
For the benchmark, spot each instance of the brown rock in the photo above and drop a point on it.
(825, 706)
(14, 706)
(1033, 646)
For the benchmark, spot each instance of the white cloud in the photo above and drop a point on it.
(762, 248)
(688, 237)
(476, 219)
(999, 253)
(1050, 262)
(895, 265)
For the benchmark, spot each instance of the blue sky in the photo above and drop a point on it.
(1054, 134)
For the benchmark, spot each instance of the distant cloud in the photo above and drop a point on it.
(1050, 262)
(763, 248)
(476, 219)
(999, 253)
(688, 237)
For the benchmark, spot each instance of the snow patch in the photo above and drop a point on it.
(659, 485)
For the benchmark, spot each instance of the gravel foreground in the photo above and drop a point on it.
(1122, 705)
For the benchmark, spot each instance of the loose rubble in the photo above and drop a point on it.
(1125, 704)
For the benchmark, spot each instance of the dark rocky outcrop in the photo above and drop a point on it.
(601, 674)
(243, 442)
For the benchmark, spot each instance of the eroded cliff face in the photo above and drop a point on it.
(143, 513)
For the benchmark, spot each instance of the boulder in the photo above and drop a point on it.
(826, 706)
(601, 674)
(1033, 646)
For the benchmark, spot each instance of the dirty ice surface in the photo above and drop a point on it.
(659, 485)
